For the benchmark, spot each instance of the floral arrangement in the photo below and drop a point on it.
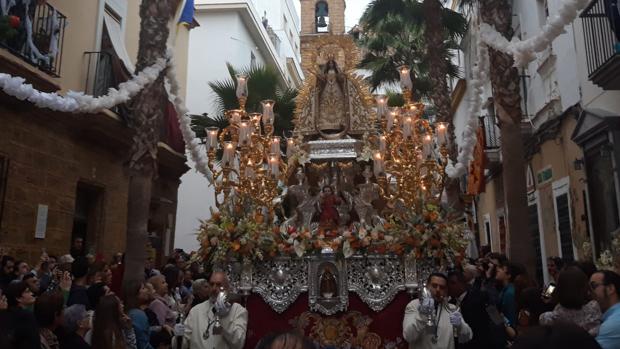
(609, 259)
(427, 235)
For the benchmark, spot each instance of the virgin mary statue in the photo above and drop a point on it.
(331, 116)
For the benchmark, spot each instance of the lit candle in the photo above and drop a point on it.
(249, 169)
(244, 133)
(442, 132)
(234, 116)
(255, 125)
(378, 164)
(274, 165)
(268, 111)
(211, 137)
(391, 118)
(229, 154)
(427, 146)
(382, 144)
(407, 122)
(242, 85)
(381, 105)
(275, 146)
(290, 147)
(405, 77)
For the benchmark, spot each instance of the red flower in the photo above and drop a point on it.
(14, 22)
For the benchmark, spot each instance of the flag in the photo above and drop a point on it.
(187, 16)
(475, 180)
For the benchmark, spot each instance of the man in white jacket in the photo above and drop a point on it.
(420, 313)
(200, 326)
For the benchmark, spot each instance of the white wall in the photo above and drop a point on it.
(221, 37)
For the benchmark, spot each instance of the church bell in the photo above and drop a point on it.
(321, 22)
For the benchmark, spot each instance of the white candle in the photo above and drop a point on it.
(378, 164)
(427, 146)
(275, 146)
(290, 147)
(211, 137)
(382, 144)
(268, 111)
(442, 132)
(249, 169)
(391, 118)
(274, 165)
(407, 122)
(244, 133)
(242, 85)
(229, 154)
(234, 116)
(381, 105)
(405, 77)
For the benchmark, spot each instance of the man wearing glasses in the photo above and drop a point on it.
(605, 286)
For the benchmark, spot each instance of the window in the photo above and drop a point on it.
(4, 176)
(561, 204)
(602, 195)
(487, 230)
(87, 216)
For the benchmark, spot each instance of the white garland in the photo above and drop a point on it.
(479, 79)
(185, 123)
(78, 102)
(525, 51)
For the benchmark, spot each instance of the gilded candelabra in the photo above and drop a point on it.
(411, 155)
(251, 165)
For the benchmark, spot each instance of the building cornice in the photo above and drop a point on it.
(252, 20)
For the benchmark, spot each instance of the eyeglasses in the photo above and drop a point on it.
(595, 285)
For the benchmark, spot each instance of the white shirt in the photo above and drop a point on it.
(415, 332)
(201, 318)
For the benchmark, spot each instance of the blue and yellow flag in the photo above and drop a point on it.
(187, 16)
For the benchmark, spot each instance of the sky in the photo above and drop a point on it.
(187, 240)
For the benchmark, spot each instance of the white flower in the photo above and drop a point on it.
(299, 248)
(347, 251)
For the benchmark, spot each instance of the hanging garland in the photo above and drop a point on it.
(522, 52)
(78, 102)
(192, 143)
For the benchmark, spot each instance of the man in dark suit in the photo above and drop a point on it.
(473, 305)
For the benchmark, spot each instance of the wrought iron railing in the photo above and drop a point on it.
(491, 132)
(599, 27)
(36, 34)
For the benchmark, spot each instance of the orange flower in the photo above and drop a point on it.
(235, 246)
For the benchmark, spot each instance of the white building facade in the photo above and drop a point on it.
(572, 196)
(242, 33)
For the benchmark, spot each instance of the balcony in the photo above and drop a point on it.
(492, 141)
(601, 30)
(35, 34)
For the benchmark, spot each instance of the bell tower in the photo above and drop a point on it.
(322, 17)
(319, 18)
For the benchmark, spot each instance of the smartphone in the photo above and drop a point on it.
(548, 293)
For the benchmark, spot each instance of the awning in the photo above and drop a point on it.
(118, 42)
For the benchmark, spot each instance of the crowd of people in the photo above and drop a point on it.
(494, 303)
(79, 301)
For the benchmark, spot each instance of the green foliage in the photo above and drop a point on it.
(393, 35)
(6, 31)
(263, 83)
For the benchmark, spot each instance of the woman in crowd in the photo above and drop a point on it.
(574, 302)
(76, 323)
(112, 329)
(554, 267)
(48, 310)
(22, 327)
(137, 299)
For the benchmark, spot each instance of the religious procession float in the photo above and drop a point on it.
(347, 205)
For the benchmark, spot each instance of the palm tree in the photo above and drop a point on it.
(429, 32)
(146, 120)
(507, 95)
(263, 83)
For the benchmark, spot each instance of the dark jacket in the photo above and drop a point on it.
(21, 331)
(72, 341)
(486, 335)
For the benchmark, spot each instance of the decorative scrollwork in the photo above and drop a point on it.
(375, 279)
(280, 281)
